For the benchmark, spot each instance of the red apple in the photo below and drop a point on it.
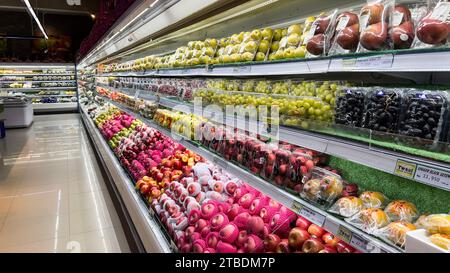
(348, 38)
(374, 36)
(316, 231)
(256, 225)
(312, 245)
(403, 35)
(330, 239)
(297, 237)
(208, 210)
(229, 233)
(242, 238)
(343, 247)
(218, 221)
(321, 24)
(283, 247)
(253, 244)
(374, 11)
(302, 223)
(433, 31)
(271, 242)
(316, 44)
(145, 189)
(201, 223)
(328, 249)
(212, 239)
(352, 18)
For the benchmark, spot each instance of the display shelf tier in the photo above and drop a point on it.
(408, 61)
(54, 107)
(37, 89)
(150, 233)
(36, 74)
(57, 81)
(396, 163)
(353, 236)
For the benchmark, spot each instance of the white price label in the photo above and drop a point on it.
(342, 23)
(363, 22)
(242, 69)
(313, 216)
(358, 242)
(432, 176)
(397, 18)
(441, 11)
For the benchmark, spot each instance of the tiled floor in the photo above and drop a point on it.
(52, 195)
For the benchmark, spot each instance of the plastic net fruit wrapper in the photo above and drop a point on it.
(369, 220)
(435, 223)
(441, 240)
(373, 199)
(347, 206)
(395, 232)
(402, 210)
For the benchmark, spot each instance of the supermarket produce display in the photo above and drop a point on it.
(339, 163)
(51, 88)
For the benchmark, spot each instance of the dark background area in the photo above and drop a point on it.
(66, 25)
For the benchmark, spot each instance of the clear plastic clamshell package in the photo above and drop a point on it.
(382, 109)
(395, 232)
(433, 30)
(375, 22)
(350, 106)
(424, 114)
(322, 187)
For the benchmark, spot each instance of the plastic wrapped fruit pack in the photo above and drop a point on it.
(369, 220)
(402, 210)
(395, 232)
(434, 29)
(350, 107)
(424, 114)
(435, 223)
(347, 206)
(404, 19)
(375, 22)
(289, 46)
(346, 33)
(383, 108)
(322, 187)
(319, 36)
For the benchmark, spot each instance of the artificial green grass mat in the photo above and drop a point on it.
(427, 199)
(389, 145)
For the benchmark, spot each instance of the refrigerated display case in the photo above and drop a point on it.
(50, 87)
(344, 134)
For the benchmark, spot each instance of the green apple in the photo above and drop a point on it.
(250, 46)
(260, 56)
(293, 39)
(275, 46)
(267, 34)
(263, 46)
(277, 34)
(296, 28)
(300, 52)
(256, 35)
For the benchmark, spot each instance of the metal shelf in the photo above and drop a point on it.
(36, 74)
(39, 88)
(382, 62)
(353, 236)
(152, 237)
(36, 81)
(55, 107)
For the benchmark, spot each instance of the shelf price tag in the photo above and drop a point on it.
(344, 234)
(242, 69)
(362, 63)
(296, 206)
(433, 176)
(313, 216)
(360, 243)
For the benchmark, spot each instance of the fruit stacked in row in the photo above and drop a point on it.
(290, 44)
(211, 212)
(410, 112)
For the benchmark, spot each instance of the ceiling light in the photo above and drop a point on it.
(154, 3)
(31, 11)
(92, 16)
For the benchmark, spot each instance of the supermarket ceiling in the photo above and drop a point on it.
(66, 22)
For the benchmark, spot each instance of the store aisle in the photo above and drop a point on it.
(52, 195)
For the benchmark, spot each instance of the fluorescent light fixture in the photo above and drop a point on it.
(30, 9)
(154, 3)
(134, 19)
